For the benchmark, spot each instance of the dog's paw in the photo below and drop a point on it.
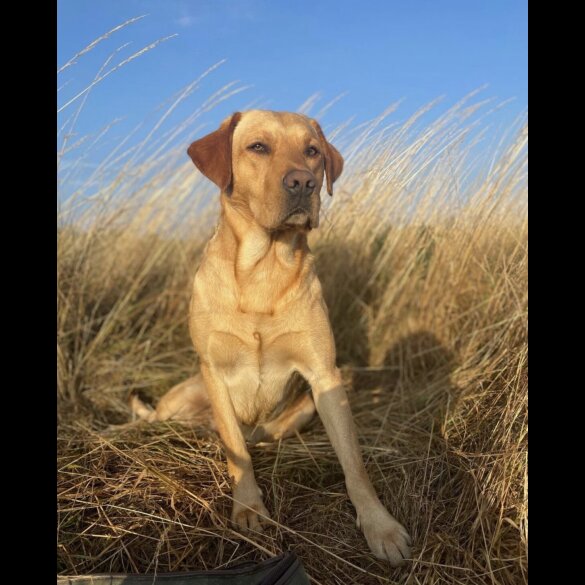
(250, 515)
(249, 511)
(387, 538)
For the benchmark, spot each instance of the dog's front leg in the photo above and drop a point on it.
(247, 496)
(387, 538)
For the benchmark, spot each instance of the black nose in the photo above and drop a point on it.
(299, 183)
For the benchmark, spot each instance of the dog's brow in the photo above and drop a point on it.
(302, 133)
(258, 136)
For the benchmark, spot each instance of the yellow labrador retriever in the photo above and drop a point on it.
(258, 318)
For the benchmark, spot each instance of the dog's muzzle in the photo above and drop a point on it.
(299, 188)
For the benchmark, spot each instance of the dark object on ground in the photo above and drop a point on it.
(284, 569)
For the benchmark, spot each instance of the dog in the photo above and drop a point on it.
(258, 319)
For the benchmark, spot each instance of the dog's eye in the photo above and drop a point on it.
(258, 147)
(311, 151)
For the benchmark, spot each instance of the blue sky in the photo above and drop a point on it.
(376, 52)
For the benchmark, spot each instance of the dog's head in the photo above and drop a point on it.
(272, 164)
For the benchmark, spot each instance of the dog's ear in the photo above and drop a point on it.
(212, 154)
(333, 160)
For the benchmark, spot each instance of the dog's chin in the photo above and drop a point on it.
(299, 219)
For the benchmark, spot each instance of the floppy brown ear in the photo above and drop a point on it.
(333, 160)
(212, 154)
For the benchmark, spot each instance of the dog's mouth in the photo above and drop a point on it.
(297, 218)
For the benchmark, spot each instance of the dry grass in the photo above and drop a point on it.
(423, 258)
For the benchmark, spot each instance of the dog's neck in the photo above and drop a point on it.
(266, 263)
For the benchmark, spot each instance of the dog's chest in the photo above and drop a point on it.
(255, 366)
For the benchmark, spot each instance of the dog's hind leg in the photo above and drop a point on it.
(186, 402)
(287, 423)
(141, 410)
